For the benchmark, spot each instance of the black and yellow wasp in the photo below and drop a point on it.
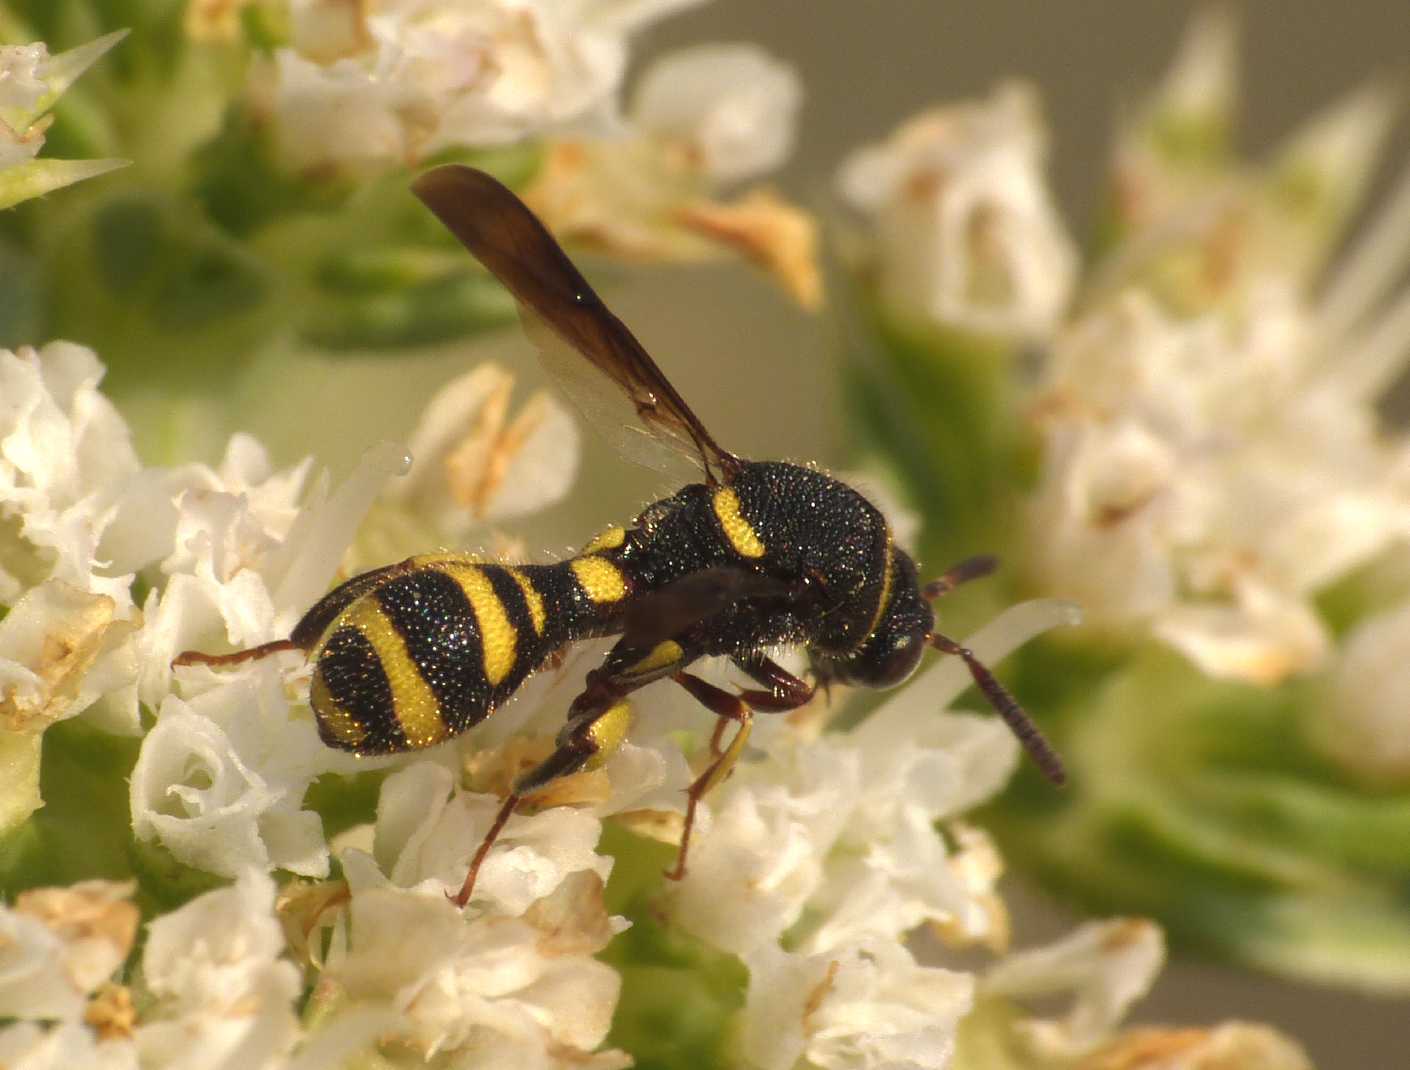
(762, 554)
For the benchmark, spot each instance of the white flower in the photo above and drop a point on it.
(834, 841)
(29, 1046)
(61, 649)
(1205, 479)
(473, 466)
(63, 450)
(1106, 966)
(425, 835)
(732, 108)
(1229, 1044)
(759, 859)
(57, 945)
(222, 996)
(498, 990)
(66, 645)
(192, 791)
(1359, 717)
(864, 1006)
(31, 81)
(1176, 188)
(964, 231)
(699, 119)
(246, 552)
(422, 75)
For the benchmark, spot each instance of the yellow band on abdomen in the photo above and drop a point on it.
(600, 580)
(413, 702)
(499, 639)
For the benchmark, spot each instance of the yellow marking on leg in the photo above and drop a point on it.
(738, 532)
(413, 702)
(499, 639)
(608, 733)
(532, 598)
(338, 721)
(714, 774)
(610, 539)
(601, 580)
(662, 654)
(724, 765)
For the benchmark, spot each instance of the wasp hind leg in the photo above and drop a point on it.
(597, 724)
(584, 742)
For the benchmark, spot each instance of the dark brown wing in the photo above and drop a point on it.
(505, 236)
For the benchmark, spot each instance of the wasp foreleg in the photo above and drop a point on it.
(728, 708)
(785, 691)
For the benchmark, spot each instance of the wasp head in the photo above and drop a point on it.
(893, 648)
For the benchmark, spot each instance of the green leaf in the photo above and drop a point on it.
(938, 407)
(84, 828)
(1197, 802)
(167, 299)
(679, 996)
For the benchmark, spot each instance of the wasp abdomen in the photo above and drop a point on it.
(436, 643)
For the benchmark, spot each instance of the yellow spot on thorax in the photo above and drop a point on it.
(413, 702)
(532, 599)
(499, 639)
(738, 531)
(610, 539)
(600, 580)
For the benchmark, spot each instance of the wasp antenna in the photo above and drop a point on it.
(195, 657)
(1007, 707)
(971, 568)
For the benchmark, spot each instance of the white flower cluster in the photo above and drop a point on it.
(1212, 457)
(1213, 454)
(238, 552)
(31, 81)
(811, 864)
(823, 855)
(962, 229)
(411, 77)
(361, 86)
